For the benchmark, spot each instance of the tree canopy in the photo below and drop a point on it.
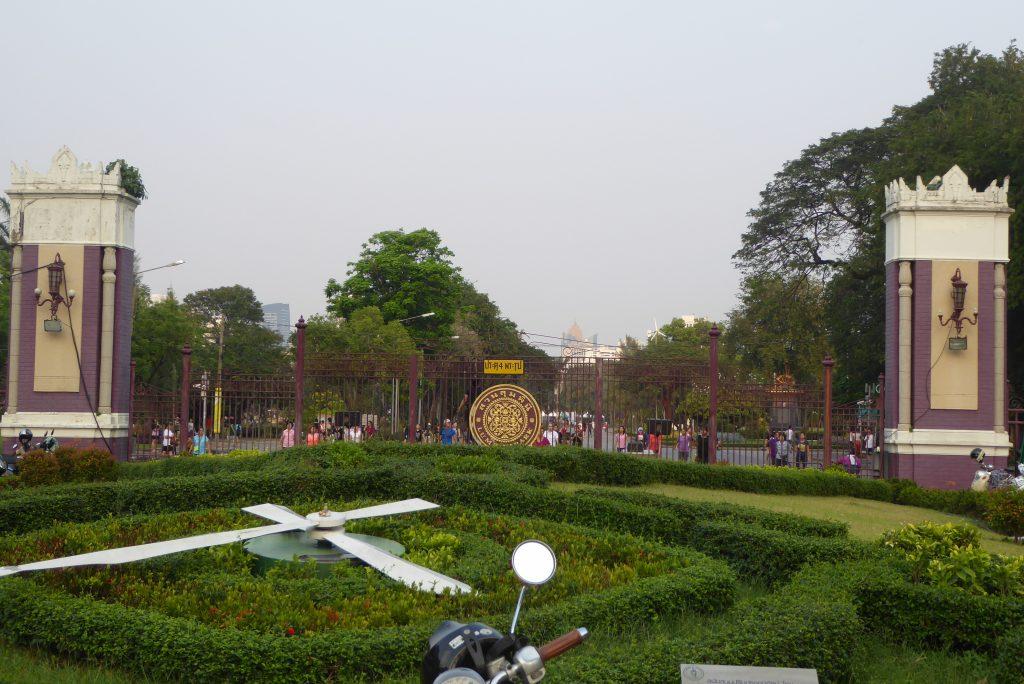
(821, 214)
(406, 275)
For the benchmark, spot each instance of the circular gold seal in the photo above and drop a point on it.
(505, 414)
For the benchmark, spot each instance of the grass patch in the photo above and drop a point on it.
(20, 665)
(867, 518)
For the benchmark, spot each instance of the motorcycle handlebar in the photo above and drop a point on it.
(566, 642)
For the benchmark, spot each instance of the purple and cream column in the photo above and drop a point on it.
(70, 370)
(945, 379)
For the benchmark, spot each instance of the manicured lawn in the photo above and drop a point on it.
(28, 666)
(867, 519)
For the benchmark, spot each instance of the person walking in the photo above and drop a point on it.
(199, 443)
(772, 446)
(447, 433)
(288, 436)
(801, 451)
(167, 443)
(654, 443)
(784, 449)
(313, 436)
(621, 438)
(154, 438)
(683, 445)
(702, 446)
(551, 434)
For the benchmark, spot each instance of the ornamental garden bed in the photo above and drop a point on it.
(210, 615)
(635, 568)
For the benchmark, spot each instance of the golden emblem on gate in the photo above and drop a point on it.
(505, 414)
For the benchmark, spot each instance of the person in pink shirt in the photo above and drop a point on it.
(288, 436)
(621, 438)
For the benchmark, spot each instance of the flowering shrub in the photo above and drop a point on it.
(67, 465)
(950, 556)
(1004, 512)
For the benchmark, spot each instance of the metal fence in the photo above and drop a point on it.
(602, 403)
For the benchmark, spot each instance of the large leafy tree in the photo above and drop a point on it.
(364, 332)
(403, 275)
(776, 328)
(822, 212)
(248, 346)
(160, 330)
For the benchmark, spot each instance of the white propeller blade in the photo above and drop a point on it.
(409, 574)
(393, 508)
(128, 554)
(279, 514)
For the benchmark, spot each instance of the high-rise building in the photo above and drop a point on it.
(277, 317)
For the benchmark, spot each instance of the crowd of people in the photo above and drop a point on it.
(325, 431)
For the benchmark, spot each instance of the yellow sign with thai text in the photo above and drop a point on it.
(503, 367)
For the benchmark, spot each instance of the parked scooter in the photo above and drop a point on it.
(987, 478)
(10, 465)
(475, 653)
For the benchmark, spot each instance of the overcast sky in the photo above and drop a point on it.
(588, 161)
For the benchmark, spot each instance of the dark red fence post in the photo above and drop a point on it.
(883, 469)
(598, 406)
(131, 407)
(300, 379)
(186, 386)
(713, 397)
(414, 381)
(826, 457)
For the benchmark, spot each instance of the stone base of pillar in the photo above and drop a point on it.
(76, 430)
(940, 459)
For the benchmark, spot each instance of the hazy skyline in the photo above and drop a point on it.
(586, 161)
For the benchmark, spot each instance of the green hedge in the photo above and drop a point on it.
(782, 630)
(587, 466)
(170, 648)
(755, 551)
(936, 616)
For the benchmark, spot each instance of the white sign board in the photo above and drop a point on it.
(742, 674)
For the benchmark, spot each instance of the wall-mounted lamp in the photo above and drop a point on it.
(55, 273)
(959, 294)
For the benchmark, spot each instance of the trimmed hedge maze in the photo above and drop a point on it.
(628, 563)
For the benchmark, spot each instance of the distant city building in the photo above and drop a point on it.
(277, 318)
(575, 345)
(157, 297)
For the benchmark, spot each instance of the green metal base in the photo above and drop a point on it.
(289, 547)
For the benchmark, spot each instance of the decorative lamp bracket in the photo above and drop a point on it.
(959, 294)
(55, 281)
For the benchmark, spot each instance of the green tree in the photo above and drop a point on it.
(822, 212)
(159, 332)
(365, 332)
(403, 275)
(248, 346)
(482, 330)
(776, 328)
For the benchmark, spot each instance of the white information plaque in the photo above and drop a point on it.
(742, 674)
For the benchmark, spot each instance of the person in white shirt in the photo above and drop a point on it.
(869, 442)
(168, 439)
(355, 434)
(551, 434)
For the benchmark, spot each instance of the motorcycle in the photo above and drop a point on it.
(10, 465)
(987, 478)
(475, 653)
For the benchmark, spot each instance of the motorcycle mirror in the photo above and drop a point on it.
(534, 562)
